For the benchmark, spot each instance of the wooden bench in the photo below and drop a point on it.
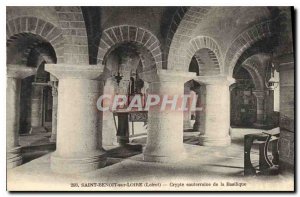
(264, 139)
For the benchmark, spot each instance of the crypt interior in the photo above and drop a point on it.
(236, 62)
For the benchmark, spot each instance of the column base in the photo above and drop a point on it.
(165, 159)
(74, 165)
(187, 126)
(14, 157)
(196, 126)
(35, 130)
(122, 140)
(53, 138)
(171, 157)
(114, 143)
(214, 141)
(259, 125)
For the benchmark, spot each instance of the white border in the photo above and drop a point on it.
(113, 3)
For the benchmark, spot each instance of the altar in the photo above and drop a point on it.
(126, 123)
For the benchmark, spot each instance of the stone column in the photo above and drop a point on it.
(165, 128)
(36, 109)
(260, 108)
(13, 89)
(286, 68)
(199, 124)
(109, 132)
(187, 114)
(269, 108)
(54, 86)
(78, 144)
(123, 129)
(217, 110)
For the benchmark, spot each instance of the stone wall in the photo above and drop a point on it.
(287, 108)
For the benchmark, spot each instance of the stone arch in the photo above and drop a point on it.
(46, 56)
(251, 67)
(114, 36)
(175, 21)
(41, 53)
(185, 20)
(244, 41)
(205, 42)
(44, 50)
(38, 30)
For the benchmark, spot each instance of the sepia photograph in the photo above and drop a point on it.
(150, 98)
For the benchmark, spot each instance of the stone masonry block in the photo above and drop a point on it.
(32, 22)
(117, 34)
(132, 33)
(125, 33)
(47, 29)
(40, 26)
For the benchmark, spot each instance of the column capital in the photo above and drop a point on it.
(231, 87)
(286, 66)
(215, 80)
(67, 71)
(284, 61)
(189, 84)
(53, 78)
(54, 86)
(199, 89)
(20, 71)
(166, 76)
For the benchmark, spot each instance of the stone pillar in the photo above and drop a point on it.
(165, 128)
(109, 133)
(123, 129)
(187, 114)
(260, 108)
(54, 86)
(286, 68)
(13, 89)
(79, 139)
(217, 110)
(276, 106)
(36, 109)
(269, 108)
(199, 124)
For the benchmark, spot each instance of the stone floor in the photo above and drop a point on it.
(221, 167)
(35, 139)
(35, 145)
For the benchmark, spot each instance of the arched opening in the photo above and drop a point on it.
(36, 92)
(36, 101)
(204, 56)
(193, 117)
(207, 62)
(190, 91)
(203, 63)
(242, 99)
(257, 62)
(123, 64)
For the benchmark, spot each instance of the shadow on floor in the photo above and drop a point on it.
(120, 153)
(30, 153)
(193, 140)
(189, 130)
